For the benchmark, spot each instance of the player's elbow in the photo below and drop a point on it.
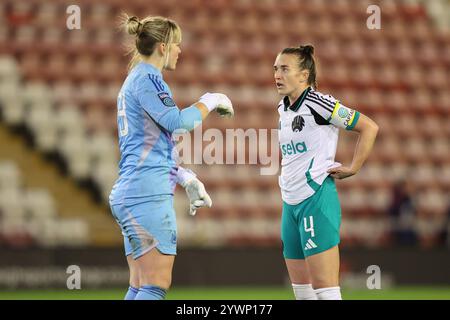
(374, 128)
(371, 130)
(180, 120)
(181, 125)
(188, 125)
(367, 126)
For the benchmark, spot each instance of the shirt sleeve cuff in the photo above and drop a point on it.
(184, 175)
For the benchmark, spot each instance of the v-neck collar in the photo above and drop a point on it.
(296, 105)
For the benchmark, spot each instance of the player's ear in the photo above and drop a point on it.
(162, 48)
(304, 75)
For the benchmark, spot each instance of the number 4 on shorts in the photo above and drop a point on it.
(311, 225)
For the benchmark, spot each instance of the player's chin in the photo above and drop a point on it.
(171, 67)
(281, 92)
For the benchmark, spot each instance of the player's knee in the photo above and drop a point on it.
(164, 280)
(301, 279)
(134, 280)
(160, 279)
(134, 276)
(299, 276)
(324, 282)
(166, 283)
(159, 282)
(323, 279)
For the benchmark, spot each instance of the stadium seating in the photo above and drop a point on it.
(28, 216)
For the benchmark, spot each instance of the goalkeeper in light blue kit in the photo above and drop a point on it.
(141, 200)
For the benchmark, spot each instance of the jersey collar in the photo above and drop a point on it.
(296, 105)
(150, 68)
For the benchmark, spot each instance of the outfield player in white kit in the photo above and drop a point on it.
(308, 135)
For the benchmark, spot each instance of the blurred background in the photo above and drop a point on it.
(59, 154)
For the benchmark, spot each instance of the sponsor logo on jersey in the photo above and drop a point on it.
(298, 123)
(291, 148)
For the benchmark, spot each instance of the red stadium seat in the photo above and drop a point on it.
(420, 100)
(378, 51)
(403, 52)
(437, 78)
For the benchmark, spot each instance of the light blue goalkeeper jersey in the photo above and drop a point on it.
(146, 118)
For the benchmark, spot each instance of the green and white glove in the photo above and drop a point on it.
(195, 190)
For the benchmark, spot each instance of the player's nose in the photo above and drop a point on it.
(276, 75)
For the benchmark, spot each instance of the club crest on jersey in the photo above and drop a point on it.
(298, 123)
(166, 99)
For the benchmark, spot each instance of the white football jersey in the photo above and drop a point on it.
(308, 133)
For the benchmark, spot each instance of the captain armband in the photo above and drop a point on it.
(344, 117)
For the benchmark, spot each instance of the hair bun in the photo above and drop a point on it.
(307, 49)
(133, 25)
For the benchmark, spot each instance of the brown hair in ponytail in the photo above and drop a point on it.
(305, 54)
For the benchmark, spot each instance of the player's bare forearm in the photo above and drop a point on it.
(367, 130)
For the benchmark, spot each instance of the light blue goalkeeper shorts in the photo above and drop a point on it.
(147, 225)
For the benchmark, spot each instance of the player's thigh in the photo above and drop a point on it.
(324, 268)
(319, 230)
(118, 211)
(290, 236)
(320, 220)
(298, 271)
(149, 225)
(155, 268)
(155, 237)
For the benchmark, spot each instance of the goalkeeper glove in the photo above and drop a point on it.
(197, 195)
(195, 190)
(219, 102)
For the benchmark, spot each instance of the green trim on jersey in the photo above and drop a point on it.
(314, 185)
(296, 105)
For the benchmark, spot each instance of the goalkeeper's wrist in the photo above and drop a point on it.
(184, 176)
(207, 104)
(209, 100)
(204, 111)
